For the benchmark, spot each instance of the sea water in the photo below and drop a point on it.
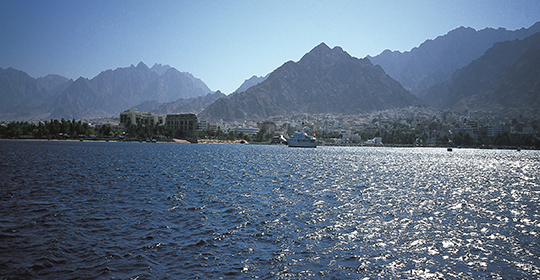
(209, 211)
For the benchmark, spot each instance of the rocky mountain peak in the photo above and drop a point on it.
(141, 65)
(322, 50)
(160, 69)
(324, 80)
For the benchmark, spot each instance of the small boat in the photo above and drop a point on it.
(301, 139)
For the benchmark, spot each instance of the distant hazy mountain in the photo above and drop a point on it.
(506, 79)
(23, 97)
(20, 94)
(324, 81)
(147, 106)
(113, 91)
(53, 84)
(254, 80)
(434, 61)
(160, 69)
(163, 69)
(173, 85)
(188, 105)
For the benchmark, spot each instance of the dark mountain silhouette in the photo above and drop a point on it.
(434, 61)
(324, 81)
(506, 79)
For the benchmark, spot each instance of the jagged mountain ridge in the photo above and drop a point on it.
(113, 91)
(24, 97)
(506, 79)
(254, 80)
(435, 60)
(160, 69)
(105, 95)
(163, 69)
(53, 83)
(21, 94)
(323, 81)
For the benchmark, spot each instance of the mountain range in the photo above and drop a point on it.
(505, 79)
(107, 94)
(254, 80)
(324, 81)
(493, 70)
(180, 106)
(435, 60)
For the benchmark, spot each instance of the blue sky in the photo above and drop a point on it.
(225, 42)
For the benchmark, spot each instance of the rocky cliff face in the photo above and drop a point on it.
(434, 61)
(506, 79)
(20, 94)
(105, 95)
(324, 81)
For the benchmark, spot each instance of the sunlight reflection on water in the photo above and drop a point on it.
(187, 211)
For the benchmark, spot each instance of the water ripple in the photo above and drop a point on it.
(142, 210)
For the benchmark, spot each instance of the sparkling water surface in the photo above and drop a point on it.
(186, 211)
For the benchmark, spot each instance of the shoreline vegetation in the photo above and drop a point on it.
(72, 130)
(243, 142)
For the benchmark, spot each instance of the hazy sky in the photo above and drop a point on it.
(225, 42)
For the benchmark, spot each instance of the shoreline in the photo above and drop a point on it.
(215, 141)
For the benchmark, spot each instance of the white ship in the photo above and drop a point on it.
(301, 139)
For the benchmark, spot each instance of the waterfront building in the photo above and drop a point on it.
(142, 118)
(181, 123)
(249, 130)
(202, 125)
(213, 126)
(493, 130)
(267, 126)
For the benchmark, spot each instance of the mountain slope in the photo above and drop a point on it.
(505, 80)
(173, 85)
(254, 80)
(53, 84)
(113, 91)
(19, 94)
(324, 81)
(434, 61)
(188, 105)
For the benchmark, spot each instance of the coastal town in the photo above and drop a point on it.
(411, 126)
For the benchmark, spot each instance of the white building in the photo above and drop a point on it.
(251, 131)
(202, 125)
(349, 137)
